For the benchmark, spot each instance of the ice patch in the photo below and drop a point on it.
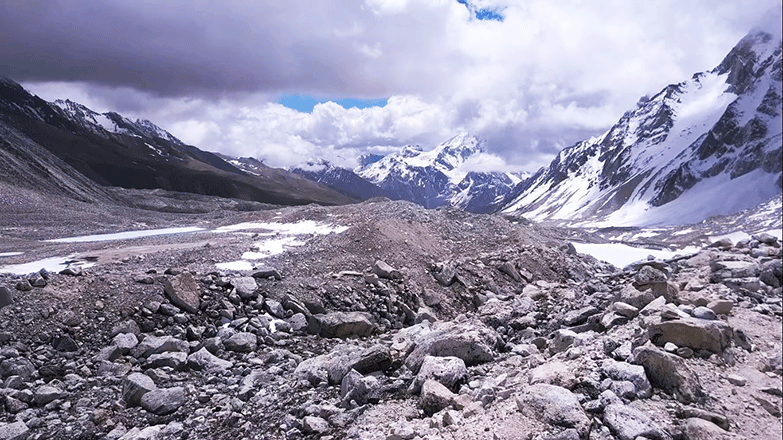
(621, 255)
(125, 235)
(298, 228)
(10, 254)
(53, 264)
(238, 266)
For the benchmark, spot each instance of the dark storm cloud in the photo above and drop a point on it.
(178, 48)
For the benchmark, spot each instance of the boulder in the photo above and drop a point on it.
(47, 393)
(341, 324)
(206, 361)
(669, 373)
(172, 359)
(623, 371)
(183, 291)
(449, 371)
(700, 429)
(18, 366)
(266, 272)
(134, 387)
(554, 405)
(636, 298)
(243, 342)
(163, 401)
(474, 343)
(315, 425)
(6, 297)
(629, 423)
(721, 306)
(158, 344)
(435, 397)
(375, 358)
(358, 388)
(14, 431)
(649, 275)
(246, 287)
(697, 334)
(383, 270)
(554, 373)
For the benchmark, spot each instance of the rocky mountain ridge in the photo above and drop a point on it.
(710, 145)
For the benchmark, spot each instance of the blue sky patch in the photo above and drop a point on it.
(306, 103)
(484, 13)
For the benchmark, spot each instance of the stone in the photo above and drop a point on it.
(625, 310)
(474, 343)
(554, 405)
(383, 270)
(204, 360)
(702, 312)
(274, 308)
(358, 388)
(554, 373)
(6, 297)
(24, 286)
(723, 243)
(636, 298)
(435, 397)
(183, 291)
(510, 269)
(449, 371)
(46, 393)
(721, 306)
(163, 401)
(38, 281)
(563, 339)
(712, 417)
(623, 371)
(737, 380)
(266, 272)
(172, 359)
(242, 342)
(700, 429)
(714, 336)
(14, 431)
(579, 316)
(298, 322)
(649, 275)
(315, 425)
(669, 373)
(18, 366)
(158, 344)
(134, 386)
(629, 423)
(341, 324)
(65, 343)
(246, 287)
(375, 358)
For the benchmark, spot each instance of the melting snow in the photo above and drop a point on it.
(53, 264)
(125, 235)
(621, 255)
(298, 228)
(10, 254)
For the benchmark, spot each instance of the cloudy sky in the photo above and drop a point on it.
(529, 76)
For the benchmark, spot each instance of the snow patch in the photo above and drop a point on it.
(125, 235)
(10, 254)
(52, 264)
(621, 255)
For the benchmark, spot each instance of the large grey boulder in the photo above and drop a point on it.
(163, 401)
(700, 429)
(358, 388)
(435, 397)
(332, 367)
(245, 286)
(204, 360)
(18, 366)
(341, 325)
(6, 297)
(134, 387)
(623, 371)
(554, 373)
(698, 334)
(14, 431)
(383, 270)
(628, 423)
(183, 291)
(243, 342)
(554, 405)
(47, 393)
(159, 344)
(669, 373)
(450, 371)
(474, 343)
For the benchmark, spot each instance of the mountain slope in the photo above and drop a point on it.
(707, 146)
(114, 151)
(444, 175)
(340, 179)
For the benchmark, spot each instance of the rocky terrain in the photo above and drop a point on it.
(408, 323)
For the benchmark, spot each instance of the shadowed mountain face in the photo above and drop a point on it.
(111, 150)
(707, 146)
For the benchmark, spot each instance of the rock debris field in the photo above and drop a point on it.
(406, 324)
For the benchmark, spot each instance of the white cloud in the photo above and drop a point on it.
(548, 75)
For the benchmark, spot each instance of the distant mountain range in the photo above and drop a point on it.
(65, 148)
(707, 146)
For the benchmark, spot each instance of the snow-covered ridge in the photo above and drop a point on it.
(710, 145)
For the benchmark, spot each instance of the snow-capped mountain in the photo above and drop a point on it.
(707, 146)
(444, 175)
(340, 179)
